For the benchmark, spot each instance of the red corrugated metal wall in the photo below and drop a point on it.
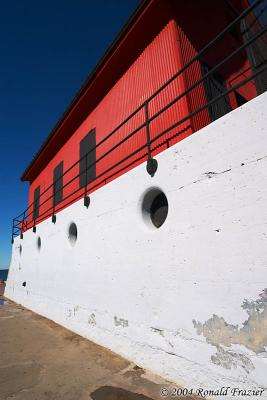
(196, 97)
(155, 65)
(174, 46)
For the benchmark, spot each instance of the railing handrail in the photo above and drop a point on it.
(170, 80)
(148, 120)
(144, 106)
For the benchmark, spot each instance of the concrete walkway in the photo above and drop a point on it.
(39, 360)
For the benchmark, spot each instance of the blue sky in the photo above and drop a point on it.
(47, 51)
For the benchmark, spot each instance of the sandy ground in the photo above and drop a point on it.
(39, 360)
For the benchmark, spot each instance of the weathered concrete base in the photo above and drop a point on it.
(188, 300)
(39, 360)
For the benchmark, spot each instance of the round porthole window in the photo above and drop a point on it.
(39, 243)
(155, 207)
(72, 233)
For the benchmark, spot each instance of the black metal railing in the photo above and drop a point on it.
(28, 219)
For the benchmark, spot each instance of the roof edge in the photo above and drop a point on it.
(24, 177)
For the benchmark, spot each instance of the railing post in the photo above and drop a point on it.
(86, 200)
(12, 236)
(152, 164)
(31, 210)
(54, 218)
(22, 226)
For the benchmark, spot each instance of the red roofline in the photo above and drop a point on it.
(32, 169)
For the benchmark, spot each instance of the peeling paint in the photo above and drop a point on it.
(92, 320)
(120, 322)
(229, 359)
(157, 330)
(253, 333)
(156, 278)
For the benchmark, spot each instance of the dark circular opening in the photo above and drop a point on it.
(159, 210)
(73, 233)
(39, 243)
(155, 207)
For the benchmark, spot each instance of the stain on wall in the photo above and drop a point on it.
(92, 319)
(229, 359)
(120, 322)
(157, 330)
(253, 333)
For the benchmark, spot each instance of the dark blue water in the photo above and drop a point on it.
(3, 274)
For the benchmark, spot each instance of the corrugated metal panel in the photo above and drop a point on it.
(167, 65)
(154, 66)
(196, 97)
(173, 47)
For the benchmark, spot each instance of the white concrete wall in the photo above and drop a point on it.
(187, 300)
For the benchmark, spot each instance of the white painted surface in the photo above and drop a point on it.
(122, 282)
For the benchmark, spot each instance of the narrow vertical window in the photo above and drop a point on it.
(58, 184)
(214, 86)
(87, 162)
(36, 203)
